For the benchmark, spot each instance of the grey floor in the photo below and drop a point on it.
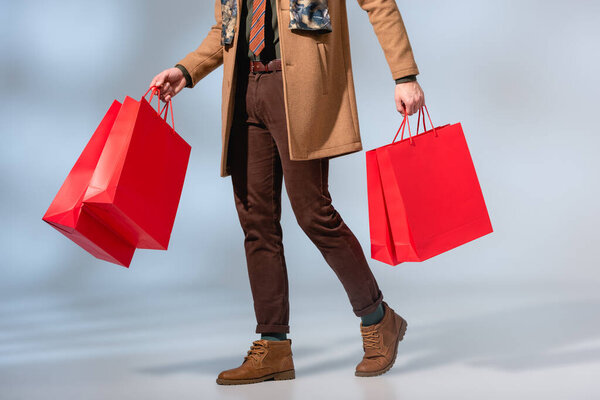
(463, 342)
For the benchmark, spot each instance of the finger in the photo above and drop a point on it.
(156, 79)
(418, 103)
(397, 102)
(415, 106)
(160, 80)
(408, 107)
(177, 88)
(401, 107)
(182, 83)
(168, 91)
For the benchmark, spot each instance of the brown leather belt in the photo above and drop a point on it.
(259, 66)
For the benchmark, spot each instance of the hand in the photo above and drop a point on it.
(170, 82)
(409, 96)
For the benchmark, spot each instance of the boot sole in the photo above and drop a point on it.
(277, 376)
(401, 332)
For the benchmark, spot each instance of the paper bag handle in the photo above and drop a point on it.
(166, 107)
(405, 123)
(156, 90)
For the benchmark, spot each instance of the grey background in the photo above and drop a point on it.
(519, 75)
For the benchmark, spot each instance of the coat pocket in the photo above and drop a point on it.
(324, 67)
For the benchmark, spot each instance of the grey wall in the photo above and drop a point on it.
(519, 75)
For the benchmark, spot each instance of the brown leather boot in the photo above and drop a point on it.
(380, 343)
(266, 360)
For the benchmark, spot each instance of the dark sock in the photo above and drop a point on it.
(374, 317)
(273, 336)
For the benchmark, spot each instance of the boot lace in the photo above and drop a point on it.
(370, 339)
(257, 349)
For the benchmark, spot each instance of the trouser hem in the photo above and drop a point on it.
(371, 308)
(264, 328)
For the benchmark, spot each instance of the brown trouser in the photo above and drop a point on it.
(258, 160)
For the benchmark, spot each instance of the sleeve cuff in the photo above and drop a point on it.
(186, 74)
(408, 78)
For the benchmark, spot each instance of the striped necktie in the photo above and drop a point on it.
(257, 29)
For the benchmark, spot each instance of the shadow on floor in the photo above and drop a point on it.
(301, 353)
(515, 339)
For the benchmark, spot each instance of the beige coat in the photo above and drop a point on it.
(320, 102)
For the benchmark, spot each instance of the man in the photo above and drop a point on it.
(288, 106)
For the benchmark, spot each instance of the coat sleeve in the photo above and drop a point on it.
(209, 55)
(391, 33)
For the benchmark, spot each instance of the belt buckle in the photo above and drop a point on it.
(255, 66)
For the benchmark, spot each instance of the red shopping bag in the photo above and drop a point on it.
(137, 184)
(424, 195)
(67, 214)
